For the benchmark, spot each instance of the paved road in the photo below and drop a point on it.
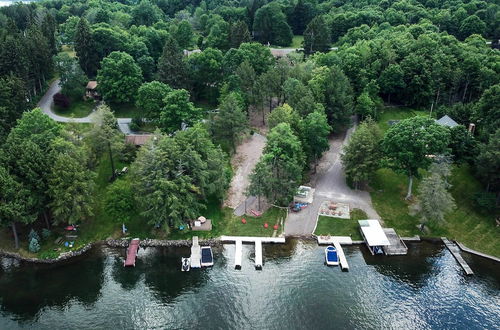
(330, 184)
(47, 104)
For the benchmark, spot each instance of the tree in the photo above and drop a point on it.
(391, 80)
(361, 156)
(146, 13)
(13, 103)
(15, 203)
(171, 68)
(488, 162)
(463, 146)
(119, 78)
(302, 14)
(331, 87)
(270, 25)
(471, 25)
(104, 135)
(434, 199)
(278, 173)
(317, 36)
(258, 56)
(365, 106)
(231, 122)
(183, 34)
(314, 133)
(34, 246)
(205, 69)
(71, 183)
(85, 48)
(178, 110)
(238, 34)
(73, 80)
(409, 143)
(150, 98)
(299, 96)
(219, 36)
(119, 201)
(486, 112)
(284, 114)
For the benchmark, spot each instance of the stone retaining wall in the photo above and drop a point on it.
(161, 243)
(63, 256)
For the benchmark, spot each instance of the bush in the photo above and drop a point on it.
(33, 235)
(61, 100)
(34, 246)
(46, 233)
(136, 123)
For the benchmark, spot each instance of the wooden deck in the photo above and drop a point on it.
(195, 253)
(397, 247)
(239, 240)
(343, 260)
(132, 249)
(455, 251)
(329, 240)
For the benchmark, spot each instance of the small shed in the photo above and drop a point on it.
(138, 139)
(91, 90)
(304, 195)
(446, 121)
(374, 235)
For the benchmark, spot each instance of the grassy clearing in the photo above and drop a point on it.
(124, 110)
(68, 50)
(297, 42)
(397, 114)
(77, 109)
(341, 227)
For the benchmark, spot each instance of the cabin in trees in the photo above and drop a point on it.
(91, 90)
(138, 139)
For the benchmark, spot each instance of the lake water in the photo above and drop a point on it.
(425, 289)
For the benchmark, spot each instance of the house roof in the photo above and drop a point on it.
(446, 121)
(92, 84)
(138, 139)
(373, 233)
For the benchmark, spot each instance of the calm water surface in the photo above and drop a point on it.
(425, 289)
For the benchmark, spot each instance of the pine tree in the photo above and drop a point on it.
(34, 246)
(434, 199)
(231, 122)
(85, 48)
(171, 67)
(239, 34)
(317, 36)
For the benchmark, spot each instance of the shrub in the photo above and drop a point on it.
(33, 235)
(46, 233)
(61, 100)
(34, 246)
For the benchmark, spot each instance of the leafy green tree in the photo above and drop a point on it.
(172, 70)
(317, 36)
(361, 156)
(488, 162)
(231, 122)
(258, 56)
(85, 48)
(178, 110)
(205, 69)
(148, 67)
(281, 165)
(150, 98)
(238, 34)
(486, 112)
(68, 29)
(246, 75)
(13, 103)
(302, 14)
(434, 198)
(15, 203)
(331, 87)
(270, 25)
(463, 146)
(314, 135)
(471, 25)
(183, 34)
(284, 114)
(365, 106)
(408, 145)
(73, 80)
(299, 96)
(119, 78)
(71, 183)
(391, 80)
(104, 137)
(146, 13)
(119, 201)
(219, 36)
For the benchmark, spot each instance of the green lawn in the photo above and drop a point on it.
(397, 113)
(77, 109)
(124, 110)
(341, 227)
(297, 42)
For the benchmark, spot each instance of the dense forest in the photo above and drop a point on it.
(171, 60)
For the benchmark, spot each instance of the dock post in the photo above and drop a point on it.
(238, 255)
(258, 254)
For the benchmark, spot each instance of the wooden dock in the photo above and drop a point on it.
(397, 247)
(195, 253)
(239, 240)
(455, 251)
(337, 241)
(238, 255)
(343, 261)
(258, 254)
(132, 250)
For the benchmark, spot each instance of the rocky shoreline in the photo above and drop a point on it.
(62, 257)
(161, 243)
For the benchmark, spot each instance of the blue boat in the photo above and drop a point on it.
(331, 257)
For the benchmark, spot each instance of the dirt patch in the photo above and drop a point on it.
(247, 155)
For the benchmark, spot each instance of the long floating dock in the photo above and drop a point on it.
(337, 241)
(343, 261)
(455, 251)
(239, 240)
(195, 253)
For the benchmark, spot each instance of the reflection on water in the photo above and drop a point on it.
(425, 289)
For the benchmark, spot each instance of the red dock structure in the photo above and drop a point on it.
(132, 249)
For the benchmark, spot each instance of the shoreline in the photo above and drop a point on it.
(124, 242)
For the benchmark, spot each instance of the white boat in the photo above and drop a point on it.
(331, 256)
(186, 264)
(207, 258)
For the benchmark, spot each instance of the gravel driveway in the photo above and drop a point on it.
(330, 184)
